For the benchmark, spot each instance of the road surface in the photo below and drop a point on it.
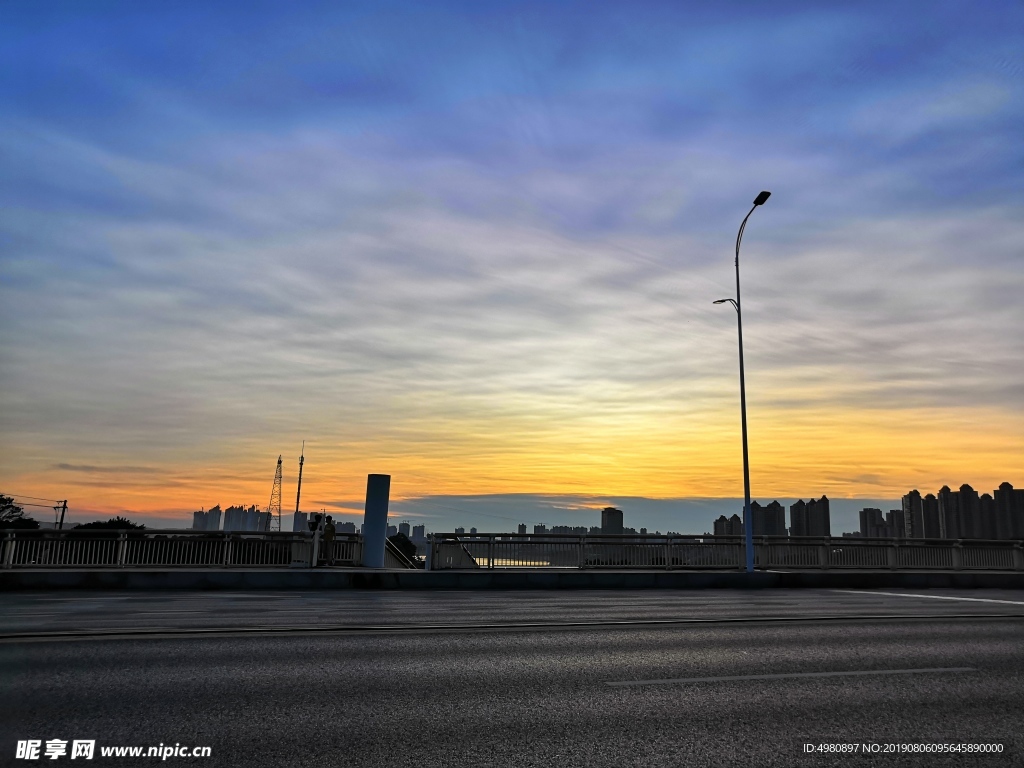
(517, 678)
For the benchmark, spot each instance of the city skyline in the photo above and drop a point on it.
(476, 249)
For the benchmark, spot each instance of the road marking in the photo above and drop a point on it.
(931, 597)
(790, 675)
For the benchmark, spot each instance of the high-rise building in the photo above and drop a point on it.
(819, 522)
(970, 517)
(419, 533)
(872, 524)
(729, 526)
(404, 528)
(798, 519)
(208, 520)
(986, 527)
(913, 515)
(894, 524)
(810, 518)
(757, 518)
(522, 527)
(611, 520)
(392, 530)
(300, 521)
(949, 513)
(346, 527)
(930, 516)
(256, 520)
(238, 518)
(1009, 511)
(769, 520)
(235, 518)
(213, 518)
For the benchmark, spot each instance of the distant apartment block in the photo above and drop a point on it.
(807, 518)
(208, 520)
(404, 528)
(873, 525)
(611, 520)
(729, 526)
(810, 518)
(949, 514)
(1009, 512)
(579, 529)
(300, 522)
(769, 520)
(419, 533)
(238, 518)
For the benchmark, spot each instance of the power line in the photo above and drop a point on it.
(37, 498)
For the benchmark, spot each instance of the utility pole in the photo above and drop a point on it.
(63, 510)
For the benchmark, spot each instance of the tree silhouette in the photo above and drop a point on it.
(404, 545)
(115, 523)
(13, 516)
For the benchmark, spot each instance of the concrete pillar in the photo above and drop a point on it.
(375, 520)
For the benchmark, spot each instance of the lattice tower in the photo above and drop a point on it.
(274, 508)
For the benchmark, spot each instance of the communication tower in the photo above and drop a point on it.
(274, 508)
(298, 493)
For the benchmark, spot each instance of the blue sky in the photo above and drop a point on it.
(475, 245)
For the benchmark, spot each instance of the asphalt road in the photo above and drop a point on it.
(382, 679)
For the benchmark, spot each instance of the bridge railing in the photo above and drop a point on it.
(167, 548)
(450, 551)
(239, 549)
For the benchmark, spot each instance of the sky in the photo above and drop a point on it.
(475, 246)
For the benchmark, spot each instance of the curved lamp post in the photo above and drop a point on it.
(748, 523)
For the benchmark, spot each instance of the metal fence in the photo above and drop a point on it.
(168, 549)
(225, 549)
(504, 550)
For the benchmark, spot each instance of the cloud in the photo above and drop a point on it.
(123, 470)
(496, 265)
(912, 113)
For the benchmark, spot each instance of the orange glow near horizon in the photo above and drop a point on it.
(870, 454)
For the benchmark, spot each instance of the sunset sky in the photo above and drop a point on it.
(475, 246)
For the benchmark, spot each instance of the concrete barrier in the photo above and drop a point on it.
(354, 578)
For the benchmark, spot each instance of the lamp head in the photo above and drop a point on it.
(761, 198)
(720, 301)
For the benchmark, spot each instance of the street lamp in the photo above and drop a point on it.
(748, 523)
